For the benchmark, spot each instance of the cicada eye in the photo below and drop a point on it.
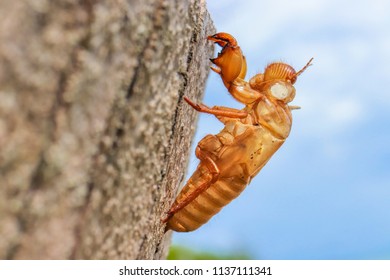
(283, 91)
(279, 91)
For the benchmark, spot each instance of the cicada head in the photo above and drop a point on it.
(278, 80)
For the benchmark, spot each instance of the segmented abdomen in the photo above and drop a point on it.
(207, 204)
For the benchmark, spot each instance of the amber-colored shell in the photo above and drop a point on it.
(230, 159)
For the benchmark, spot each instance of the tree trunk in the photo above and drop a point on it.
(94, 133)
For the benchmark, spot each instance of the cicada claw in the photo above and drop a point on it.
(230, 61)
(223, 39)
(215, 69)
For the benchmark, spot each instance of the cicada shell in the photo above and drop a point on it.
(230, 159)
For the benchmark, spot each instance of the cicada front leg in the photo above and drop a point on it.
(231, 65)
(230, 61)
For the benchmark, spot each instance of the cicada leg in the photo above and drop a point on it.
(217, 111)
(230, 61)
(212, 175)
(231, 66)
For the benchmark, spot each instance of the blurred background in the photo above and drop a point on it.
(326, 193)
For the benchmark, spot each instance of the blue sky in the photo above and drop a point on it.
(326, 193)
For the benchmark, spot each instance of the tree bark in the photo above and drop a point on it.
(94, 133)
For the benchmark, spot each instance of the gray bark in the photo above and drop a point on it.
(94, 133)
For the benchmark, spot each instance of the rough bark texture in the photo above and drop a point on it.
(94, 133)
